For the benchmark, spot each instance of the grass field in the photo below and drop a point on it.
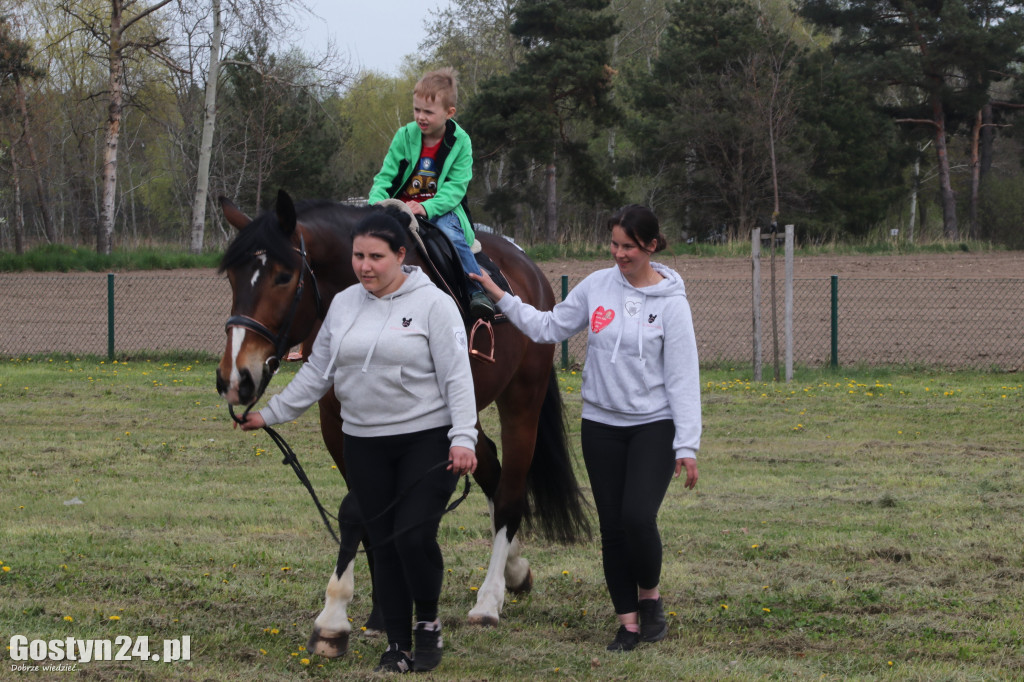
(861, 526)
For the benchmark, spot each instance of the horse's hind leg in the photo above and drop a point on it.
(332, 628)
(507, 567)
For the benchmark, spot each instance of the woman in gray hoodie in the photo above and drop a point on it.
(394, 349)
(641, 406)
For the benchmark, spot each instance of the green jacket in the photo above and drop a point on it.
(454, 158)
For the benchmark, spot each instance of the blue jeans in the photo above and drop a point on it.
(449, 222)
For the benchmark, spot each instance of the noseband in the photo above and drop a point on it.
(280, 340)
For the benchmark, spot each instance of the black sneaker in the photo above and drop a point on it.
(653, 627)
(393, 660)
(480, 307)
(624, 640)
(429, 646)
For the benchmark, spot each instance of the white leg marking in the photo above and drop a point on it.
(334, 617)
(516, 567)
(491, 596)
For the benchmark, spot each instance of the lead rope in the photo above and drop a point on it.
(291, 459)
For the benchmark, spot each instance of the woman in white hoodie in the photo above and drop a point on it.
(394, 350)
(641, 406)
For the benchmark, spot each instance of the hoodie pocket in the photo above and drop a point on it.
(380, 395)
(620, 386)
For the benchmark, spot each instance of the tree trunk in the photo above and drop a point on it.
(988, 137)
(551, 204)
(206, 146)
(949, 225)
(105, 232)
(975, 174)
(19, 214)
(44, 204)
(915, 186)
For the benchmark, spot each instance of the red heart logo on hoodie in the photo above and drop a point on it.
(601, 319)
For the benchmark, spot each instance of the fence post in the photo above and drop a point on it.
(835, 322)
(110, 316)
(755, 292)
(565, 343)
(788, 324)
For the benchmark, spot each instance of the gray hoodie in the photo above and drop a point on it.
(398, 364)
(641, 363)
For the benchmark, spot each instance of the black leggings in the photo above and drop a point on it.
(630, 469)
(408, 568)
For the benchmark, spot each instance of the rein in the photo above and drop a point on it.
(292, 460)
(281, 346)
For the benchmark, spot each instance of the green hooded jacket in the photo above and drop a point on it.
(454, 158)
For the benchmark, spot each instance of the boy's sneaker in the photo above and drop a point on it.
(653, 626)
(480, 306)
(624, 640)
(393, 660)
(429, 646)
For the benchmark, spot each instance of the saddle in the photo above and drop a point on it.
(439, 253)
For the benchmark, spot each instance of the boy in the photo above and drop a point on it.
(429, 166)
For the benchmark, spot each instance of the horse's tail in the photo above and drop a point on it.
(557, 506)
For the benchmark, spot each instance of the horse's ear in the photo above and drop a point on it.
(285, 212)
(233, 214)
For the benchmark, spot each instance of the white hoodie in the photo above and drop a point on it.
(398, 363)
(641, 363)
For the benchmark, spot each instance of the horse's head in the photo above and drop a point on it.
(272, 309)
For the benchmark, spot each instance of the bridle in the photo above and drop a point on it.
(281, 346)
(280, 340)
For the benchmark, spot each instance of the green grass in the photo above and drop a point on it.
(63, 258)
(856, 526)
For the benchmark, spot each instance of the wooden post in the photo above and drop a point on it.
(789, 304)
(755, 260)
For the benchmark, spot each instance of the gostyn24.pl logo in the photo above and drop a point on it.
(41, 654)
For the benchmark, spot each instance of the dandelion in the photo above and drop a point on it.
(7, 569)
(725, 607)
(274, 631)
(304, 661)
(286, 568)
(890, 664)
(754, 546)
(263, 652)
(565, 572)
(767, 610)
(114, 618)
(69, 619)
(474, 588)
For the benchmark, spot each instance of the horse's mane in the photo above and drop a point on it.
(264, 234)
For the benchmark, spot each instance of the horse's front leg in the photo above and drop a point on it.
(332, 627)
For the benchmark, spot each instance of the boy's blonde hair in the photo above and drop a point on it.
(441, 85)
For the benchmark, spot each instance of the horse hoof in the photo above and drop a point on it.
(329, 647)
(523, 587)
(483, 619)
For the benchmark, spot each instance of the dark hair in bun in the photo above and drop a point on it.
(641, 225)
(388, 225)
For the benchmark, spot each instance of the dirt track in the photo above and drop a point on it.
(960, 309)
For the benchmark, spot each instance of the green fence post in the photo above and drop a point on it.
(565, 344)
(835, 322)
(110, 316)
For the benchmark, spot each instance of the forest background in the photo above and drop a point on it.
(122, 121)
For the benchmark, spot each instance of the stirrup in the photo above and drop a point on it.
(473, 352)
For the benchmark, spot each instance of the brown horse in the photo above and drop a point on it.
(284, 268)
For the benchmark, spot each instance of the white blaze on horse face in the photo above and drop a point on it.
(237, 337)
